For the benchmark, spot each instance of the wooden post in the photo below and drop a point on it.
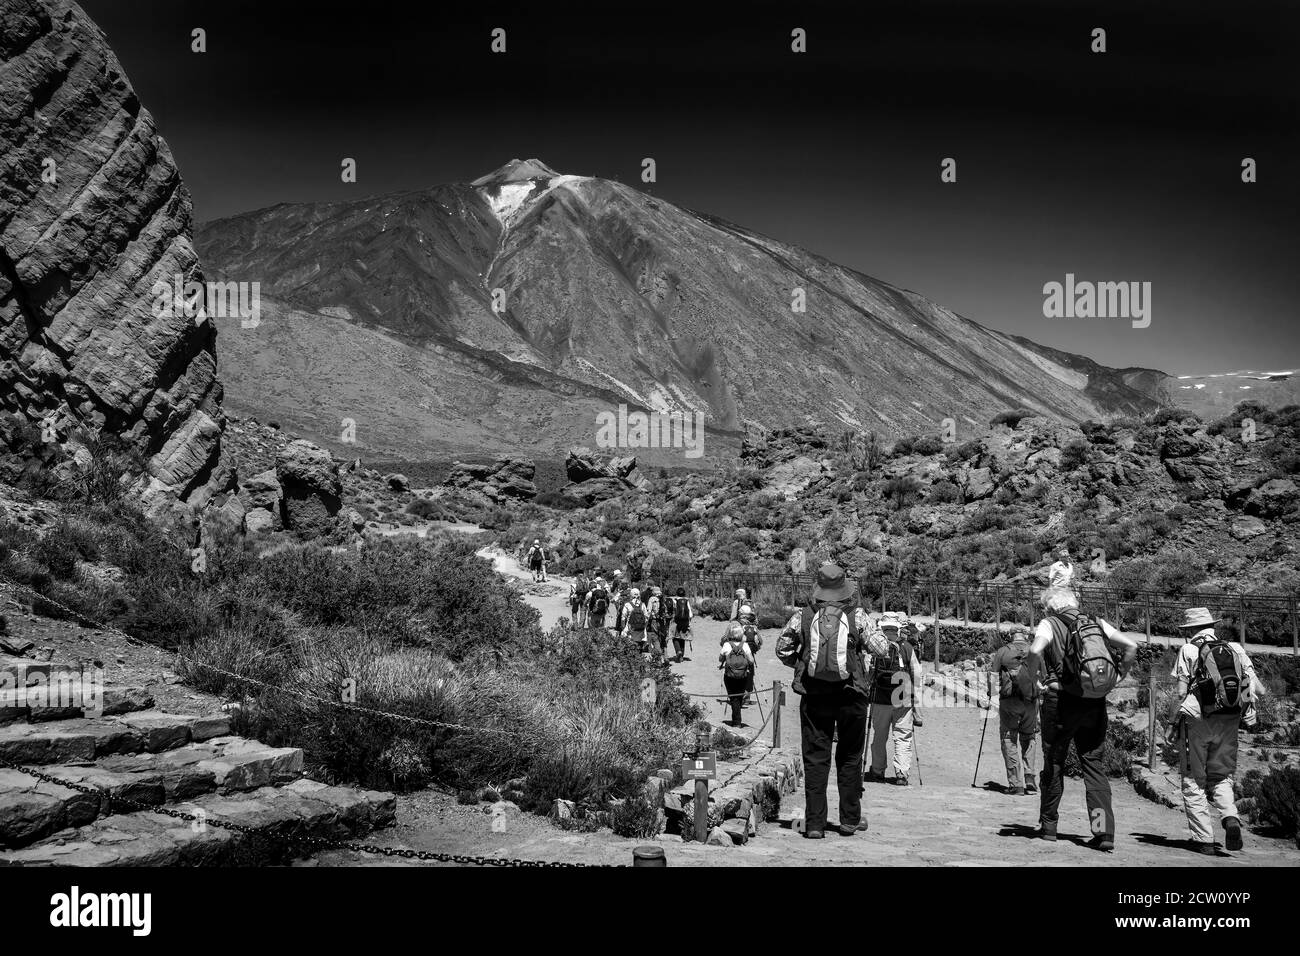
(703, 741)
(776, 713)
(1241, 625)
(965, 606)
(1147, 615)
(702, 810)
(997, 608)
(909, 598)
(1151, 718)
(1295, 627)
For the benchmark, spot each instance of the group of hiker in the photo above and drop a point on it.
(645, 615)
(858, 679)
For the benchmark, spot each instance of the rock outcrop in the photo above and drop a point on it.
(93, 217)
(504, 478)
(311, 491)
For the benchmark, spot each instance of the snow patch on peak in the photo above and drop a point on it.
(507, 199)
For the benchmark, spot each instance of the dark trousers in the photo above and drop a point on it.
(823, 716)
(736, 696)
(1067, 718)
(679, 645)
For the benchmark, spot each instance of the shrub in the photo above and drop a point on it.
(1075, 455)
(943, 492)
(1274, 800)
(901, 491)
(636, 817)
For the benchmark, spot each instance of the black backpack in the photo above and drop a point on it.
(681, 612)
(737, 664)
(1219, 677)
(1010, 669)
(599, 601)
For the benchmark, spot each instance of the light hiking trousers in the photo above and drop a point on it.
(1211, 763)
(1018, 729)
(888, 721)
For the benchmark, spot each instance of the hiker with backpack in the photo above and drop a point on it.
(896, 675)
(745, 625)
(827, 644)
(537, 561)
(736, 662)
(1076, 653)
(578, 600)
(636, 622)
(661, 618)
(739, 601)
(681, 615)
(1217, 691)
(597, 603)
(1017, 712)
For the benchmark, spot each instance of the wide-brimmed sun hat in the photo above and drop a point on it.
(832, 586)
(891, 619)
(1199, 617)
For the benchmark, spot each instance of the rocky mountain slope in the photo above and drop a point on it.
(93, 213)
(507, 311)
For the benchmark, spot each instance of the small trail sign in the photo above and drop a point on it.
(701, 766)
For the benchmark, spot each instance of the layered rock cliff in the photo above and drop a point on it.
(93, 215)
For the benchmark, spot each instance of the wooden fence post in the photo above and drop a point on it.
(1241, 625)
(1147, 615)
(776, 713)
(1295, 627)
(997, 608)
(1151, 719)
(909, 598)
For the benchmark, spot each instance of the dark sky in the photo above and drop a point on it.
(1123, 166)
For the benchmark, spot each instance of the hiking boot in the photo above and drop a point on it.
(1030, 789)
(1208, 849)
(849, 831)
(1231, 833)
(815, 835)
(900, 780)
(1046, 834)
(1103, 843)
(871, 776)
(1017, 791)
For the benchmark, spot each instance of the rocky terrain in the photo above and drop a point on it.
(1168, 503)
(93, 213)
(505, 313)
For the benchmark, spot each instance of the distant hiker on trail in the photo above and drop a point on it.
(736, 661)
(537, 561)
(661, 618)
(745, 627)
(896, 676)
(597, 603)
(825, 643)
(578, 600)
(636, 622)
(1077, 653)
(1217, 691)
(682, 615)
(1017, 712)
(1060, 576)
(740, 601)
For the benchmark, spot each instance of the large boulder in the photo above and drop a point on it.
(312, 489)
(86, 340)
(1273, 498)
(583, 464)
(506, 477)
(789, 478)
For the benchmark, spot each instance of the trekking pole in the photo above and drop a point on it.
(980, 753)
(916, 749)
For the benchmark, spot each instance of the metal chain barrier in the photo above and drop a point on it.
(265, 831)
